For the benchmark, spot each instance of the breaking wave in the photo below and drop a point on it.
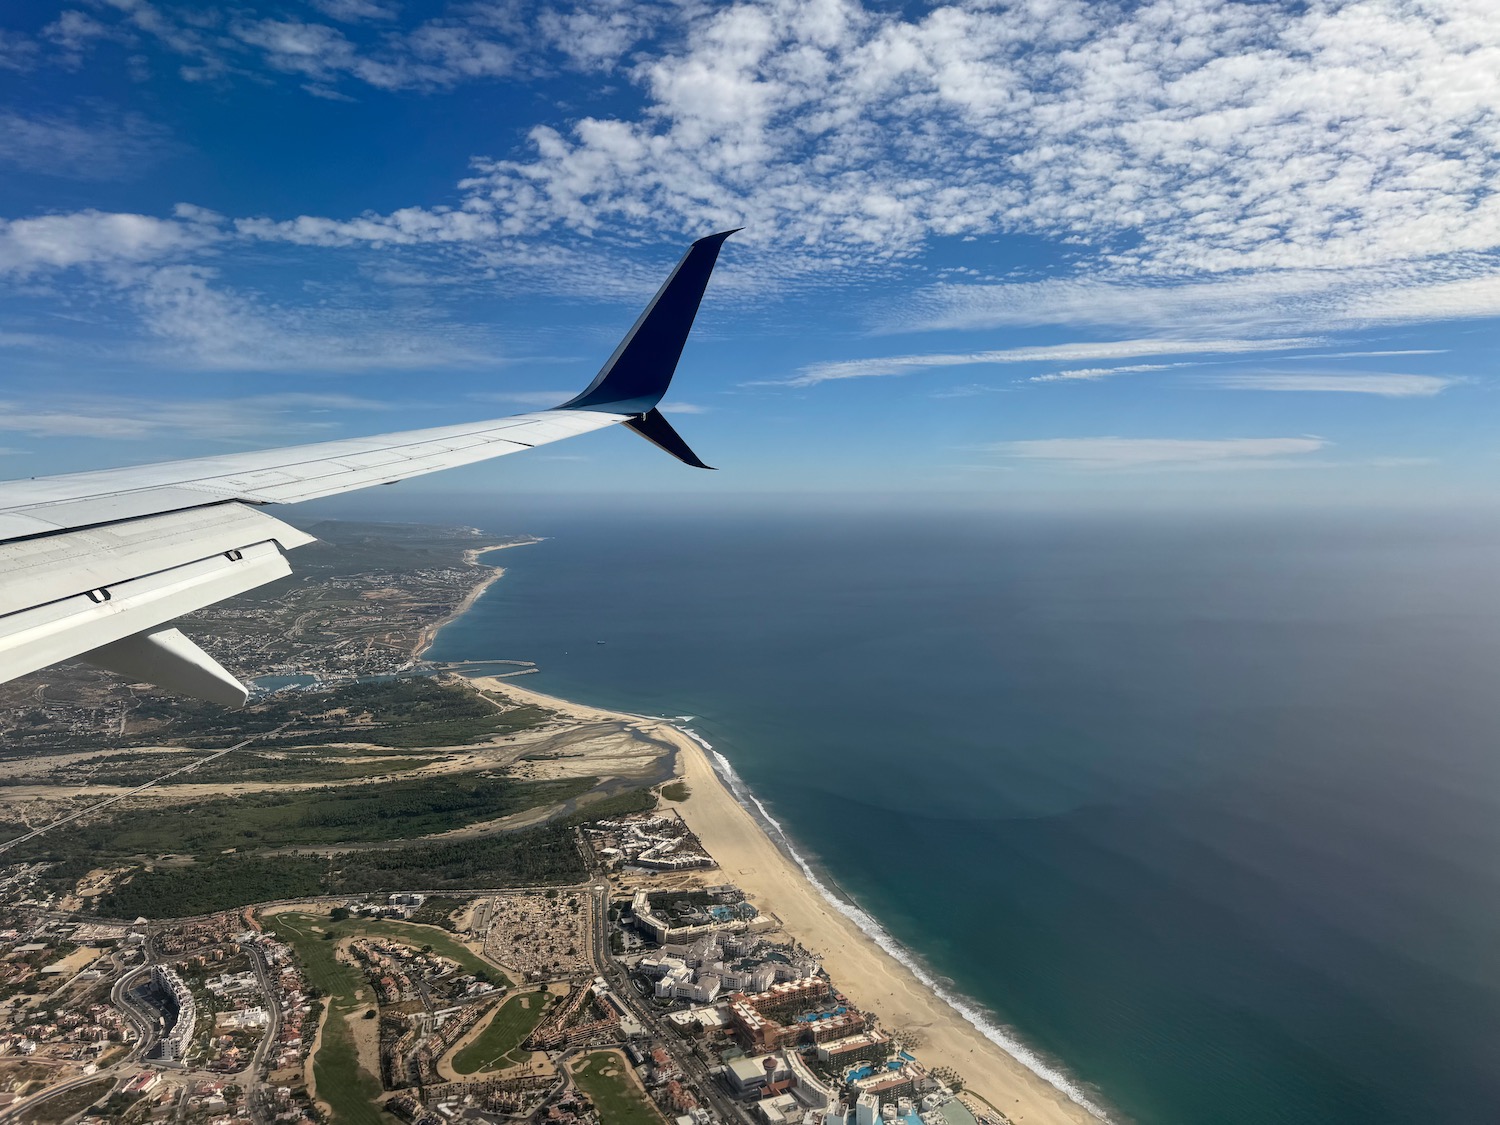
(996, 1034)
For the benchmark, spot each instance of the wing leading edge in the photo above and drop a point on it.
(95, 565)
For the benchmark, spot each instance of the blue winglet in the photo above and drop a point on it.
(637, 375)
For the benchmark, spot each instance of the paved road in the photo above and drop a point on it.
(35, 832)
(254, 1075)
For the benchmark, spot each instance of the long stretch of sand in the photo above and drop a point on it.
(870, 976)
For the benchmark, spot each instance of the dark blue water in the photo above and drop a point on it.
(1209, 812)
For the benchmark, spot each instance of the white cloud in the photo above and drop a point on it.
(351, 11)
(966, 390)
(1056, 353)
(684, 408)
(17, 52)
(1388, 385)
(1090, 374)
(1351, 355)
(436, 54)
(96, 237)
(108, 147)
(1444, 300)
(1136, 453)
(1174, 135)
(201, 324)
(406, 227)
(544, 399)
(129, 418)
(595, 36)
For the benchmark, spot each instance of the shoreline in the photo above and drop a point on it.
(889, 980)
(429, 633)
(865, 962)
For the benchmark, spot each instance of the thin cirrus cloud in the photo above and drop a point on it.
(1091, 374)
(1385, 385)
(1055, 353)
(131, 418)
(98, 146)
(543, 399)
(1161, 453)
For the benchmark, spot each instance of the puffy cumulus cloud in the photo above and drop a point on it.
(1052, 353)
(595, 36)
(90, 238)
(1162, 453)
(1173, 135)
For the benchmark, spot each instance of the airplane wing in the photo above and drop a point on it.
(95, 565)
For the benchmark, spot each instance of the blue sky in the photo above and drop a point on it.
(1046, 252)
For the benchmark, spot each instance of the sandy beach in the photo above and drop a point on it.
(870, 976)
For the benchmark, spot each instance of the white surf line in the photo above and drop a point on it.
(872, 928)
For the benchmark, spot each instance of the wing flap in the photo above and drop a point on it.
(44, 570)
(70, 593)
(170, 660)
(35, 638)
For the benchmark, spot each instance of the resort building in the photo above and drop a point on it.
(758, 1076)
(810, 1091)
(888, 1084)
(784, 1014)
(179, 1001)
(864, 1047)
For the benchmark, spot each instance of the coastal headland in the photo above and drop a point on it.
(872, 977)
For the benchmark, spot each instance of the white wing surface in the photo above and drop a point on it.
(95, 565)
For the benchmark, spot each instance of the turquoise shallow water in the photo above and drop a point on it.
(1207, 812)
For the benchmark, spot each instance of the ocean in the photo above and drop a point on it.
(1204, 812)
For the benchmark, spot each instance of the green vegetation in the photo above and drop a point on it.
(675, 791)
(64, 1106)
(299, 764)
(546, 854)
(604, 1077)
(354, 814)
(435, 910)
(219, 884)
(411, 934)
(542, 855)
(350, 1090)
(410, 712)
(620, 804)
(499, 1044)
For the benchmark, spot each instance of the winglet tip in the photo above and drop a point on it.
(720, 237)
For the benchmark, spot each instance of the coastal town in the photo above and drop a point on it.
(389, 890)
(652, 991)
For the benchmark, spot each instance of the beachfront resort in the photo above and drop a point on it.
(654, 994)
